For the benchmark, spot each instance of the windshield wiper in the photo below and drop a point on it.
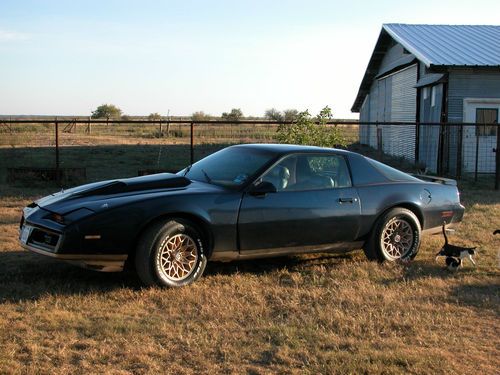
(209, 180)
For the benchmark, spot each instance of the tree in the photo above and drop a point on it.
(200, 116)
(154, 116)
(273, 114)
(235, 115)
(290, 114)
(107, 111)
(307, 130)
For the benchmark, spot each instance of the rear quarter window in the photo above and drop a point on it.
(363, 173)
(391, 173)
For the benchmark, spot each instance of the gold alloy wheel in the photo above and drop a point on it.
(178, 256)
(397, 238)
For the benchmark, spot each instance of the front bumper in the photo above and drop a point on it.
(47, 242)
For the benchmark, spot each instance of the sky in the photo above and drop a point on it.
(178, 57)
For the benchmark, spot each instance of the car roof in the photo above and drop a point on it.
(287, 149)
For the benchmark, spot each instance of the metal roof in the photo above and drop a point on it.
(436, 46)
(429, 79)
(449, 45)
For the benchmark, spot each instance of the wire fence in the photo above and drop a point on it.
(90, 150)
(459, 150)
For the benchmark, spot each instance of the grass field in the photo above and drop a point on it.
(306, 314)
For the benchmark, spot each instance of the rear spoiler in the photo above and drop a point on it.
(438, 180)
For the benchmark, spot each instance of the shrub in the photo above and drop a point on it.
(235, 115)
(307, 130)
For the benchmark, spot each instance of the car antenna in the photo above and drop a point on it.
(161, 144)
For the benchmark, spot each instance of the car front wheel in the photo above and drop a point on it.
(395, 236)
(171, 253)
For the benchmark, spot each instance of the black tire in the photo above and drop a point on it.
(395, 236)
(157, 260)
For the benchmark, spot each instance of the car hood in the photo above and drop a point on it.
(91, 195)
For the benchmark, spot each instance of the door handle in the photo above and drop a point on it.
(348, 200)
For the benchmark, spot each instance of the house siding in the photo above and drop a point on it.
(364, 116)
(372, 139)
(470, 83)
(391, 98)
(399, 140)
(429, 134)
(394, 53)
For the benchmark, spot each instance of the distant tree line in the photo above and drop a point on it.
(296, 128)
(111, 111)
(286, 115)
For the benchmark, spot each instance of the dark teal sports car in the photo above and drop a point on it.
(245, 201)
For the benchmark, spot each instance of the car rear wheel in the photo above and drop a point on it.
(171, 253)
(395, 236)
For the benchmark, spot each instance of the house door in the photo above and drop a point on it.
(480, 142)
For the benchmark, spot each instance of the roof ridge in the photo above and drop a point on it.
(436, 24)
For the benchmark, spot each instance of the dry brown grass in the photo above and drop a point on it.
(310, 314)
(43, 135)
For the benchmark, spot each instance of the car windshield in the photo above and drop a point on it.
(230, 167)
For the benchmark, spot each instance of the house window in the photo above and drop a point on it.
(426, 93)
(486, 116)
(433, 96)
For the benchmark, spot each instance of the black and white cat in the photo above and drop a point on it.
(455, 254)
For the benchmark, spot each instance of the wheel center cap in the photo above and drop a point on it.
(397, 238)
(177, 257)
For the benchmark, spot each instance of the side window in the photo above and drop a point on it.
(280, 174)
(309, 172)
(321, 172)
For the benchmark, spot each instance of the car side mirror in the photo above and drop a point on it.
(262, 188)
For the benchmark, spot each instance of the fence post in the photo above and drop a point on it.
(477, 155)
(89, 127)
(57, 148)
(459, 152)
(192, 142)
(440, 156)
(417, 142)
(380, 147)
(497, 160)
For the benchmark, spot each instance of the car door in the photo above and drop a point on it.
(314, 204)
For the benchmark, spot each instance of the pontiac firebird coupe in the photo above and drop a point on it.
(245, 201)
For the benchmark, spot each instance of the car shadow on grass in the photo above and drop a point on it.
(268, 265)
(480, 295)
(464, 286)
(25, 276)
